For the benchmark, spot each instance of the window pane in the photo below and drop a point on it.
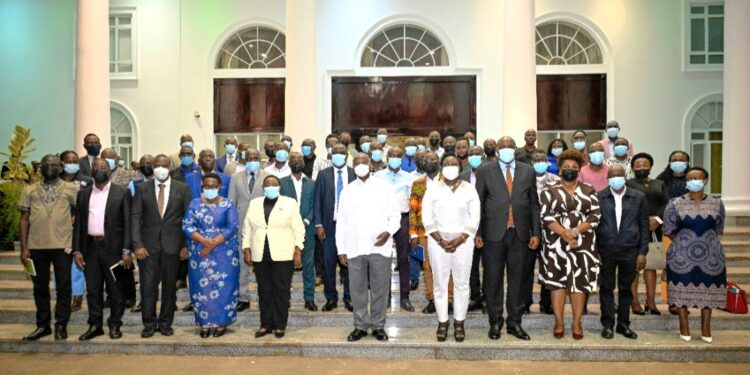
(716, 34)
(125, 68)
(698, 136)
(698, 155)
(112, 45)
(716, 59)
(124, 140)
(124, 44)
(715, 168)
(697, 10)
(697, 59)
(716, 9)
(112, 67)
(124, 19)
(697, 35)
(714, 136)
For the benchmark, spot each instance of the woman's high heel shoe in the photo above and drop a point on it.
(218, 332)
(653, 311)
(559, 335)
(459, 333)
(442, 331)
(205, 332)
(577, 336)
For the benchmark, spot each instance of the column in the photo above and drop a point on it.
(519, 69)
(301, 94)
(92, 71)
(735, 184)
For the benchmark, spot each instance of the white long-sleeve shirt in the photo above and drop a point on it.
(453, 212)
(366, 209)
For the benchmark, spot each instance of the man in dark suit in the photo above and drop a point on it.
(207, 163)
(475, 284)
(230, 154)
(301, 188)
(93, 147)
(510, 224)
(101, 239)
(622, 240)
(159, 243)
(330, 183)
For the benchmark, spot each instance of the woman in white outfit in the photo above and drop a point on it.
(450, 213)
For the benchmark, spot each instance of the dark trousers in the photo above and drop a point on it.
(331, 260)
(182, 273)
(274, 280)
(61, 263)
(308, 264)
(402, 256)
(318, 256)
(98, 275)
(545, 298)
(125, 282)
(475, 282)
(620, 265)
(498, 255)
(159, 268)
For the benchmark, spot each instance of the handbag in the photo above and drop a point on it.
(656, 259)
(736, 299)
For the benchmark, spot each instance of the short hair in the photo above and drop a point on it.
(565, 146)
(705, 172)
(90, 135)
(211, 175)
(66, 153)
(329, 136)
(642, 155)
(580, 131)
(673, 153)
(571, 155)
(271, 176)
(446, 157)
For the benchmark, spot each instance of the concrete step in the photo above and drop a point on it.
(404, 343)
(736, 246)
(736, 233)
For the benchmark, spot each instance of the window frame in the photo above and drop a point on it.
(425, 30)
(122, 11)
(687, 66)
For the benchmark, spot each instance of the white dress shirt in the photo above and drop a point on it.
(400, 183)
(280, 173)
(512, 166)
(298, 187)
(345, 180)
(366, 209)
(166, 183)
(319, 165)
(451, 212)
(618, 205)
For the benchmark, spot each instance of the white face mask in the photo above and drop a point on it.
(161, 173)
(362, 170)
(450, 172)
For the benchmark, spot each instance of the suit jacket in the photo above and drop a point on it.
(194, 181)
(466, 175)
(308, 191)
(152, 231)
(222, 162)
(493, 194)
(284, 229)
(116, 221)
(239, 191)
(634, 232)
(324, 203)
(85, 166)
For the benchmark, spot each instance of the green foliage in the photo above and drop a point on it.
(10, 217)
(19, 150)
(11, 188)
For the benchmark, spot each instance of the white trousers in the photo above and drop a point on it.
(443, 265)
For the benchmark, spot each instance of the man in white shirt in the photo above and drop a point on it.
(323, 163)
(368, 217)
(435, 144)
(280, 168)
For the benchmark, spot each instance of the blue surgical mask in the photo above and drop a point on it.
(613, 132)
(596, 157)
(306, 150)
(186, 160)
(377, 155)
(210, 194)
(678, 166)
(695, 185)
(230, 149)
(187, 144)
(410, 150)
(507, 155)
(475, 161)
(282, 155)
(472, 142)
(365, 147)
(338, 160)
(616, 183)
(71, 168)
(620, 150)
(394, 163)
(421, 148)
(288, 144)
(556, 151)
(382, 138)
(271, 192)
(111, 163)
(253, 166)
(121, 163)
(330, 150)
(540, 167)
(579, 145)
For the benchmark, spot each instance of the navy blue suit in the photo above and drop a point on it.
(324, 206)
(306, 211)
(195, 181)
(221, 162)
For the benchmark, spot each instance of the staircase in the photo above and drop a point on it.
(412, 335)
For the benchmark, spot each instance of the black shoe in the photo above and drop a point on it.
(93, 331)
(518, 333)
(356, 335)
(218, 332)
(414, 284)
(205, 332)
(188, 307)
(38, 334)
(279, 333)
(310, 305)
(61, 332)
(242, 306)
(430, 308)
(526, 310)
(137, 308)
(148, 332)
(128, 303)
(625, 331)
(348, 306)
(262, 332)
(330, 305)
(607, 333)
(380, 334)
(406, 305)
(494, 333)
(114, 333)
(450, 308)
(166, 331)
(475, 305)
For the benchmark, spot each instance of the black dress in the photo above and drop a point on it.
(657, 197)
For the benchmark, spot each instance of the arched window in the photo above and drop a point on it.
(565, 43)
(254, 47)
(122, 134)
(706, 124)
(404, 45)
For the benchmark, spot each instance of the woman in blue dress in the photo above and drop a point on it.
(696, 268)
(211, 225)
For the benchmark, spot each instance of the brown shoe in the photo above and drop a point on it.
(75, 305)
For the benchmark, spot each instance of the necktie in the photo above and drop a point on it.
(339, 188)
(160, 200)
(252, 182)
(509, 184)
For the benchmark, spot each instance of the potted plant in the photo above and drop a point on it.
(15, 175)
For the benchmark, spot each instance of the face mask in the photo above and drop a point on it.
(579, 145)
(186, 160)
(382, 138)
(187, 144)
(617, 183)
(410, 150)
(431, 167)
(678, 166)
(620, 150)
(695, 185)
(330, 150)
(270, 153)
(111, 163)
(93, 150)
(230, 149)
(394, 163)
(540, 167)
(338, 160)
(71, 168)
(210, 194)
(449, 149)
(434, 142)
(569, 174)
(365, 147)
(475, 161)
(252, 166)
(490, 151)
(507, 155)
(306, 150)
(161, 173)
(243, 154)
(450, 172)
(471, 142)
(377, 155)
(596, 157)
(421, 147)
(121, 163)
(50, 172)
(362, 170)
(147, 171)
(100, 177)
(613, 132)
(282, 155)
(556, 151)
(420, 164)
(641, 174)
(297, 167)
(288, 144)
(271, 192)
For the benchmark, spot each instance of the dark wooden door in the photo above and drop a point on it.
(571, 102)
(249, 105)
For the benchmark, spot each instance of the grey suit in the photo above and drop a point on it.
(240, 194)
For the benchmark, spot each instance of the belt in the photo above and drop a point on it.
(96, 238)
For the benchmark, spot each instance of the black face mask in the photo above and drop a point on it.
(147, 171)
(297, 167)
(50, 172)
(434, 142)
(450, 149)
(642, 174)
(490, 151)
(270, 153)
(430, 167)
(420, 164)
(569, 174)
(93, 150)
(100, 177)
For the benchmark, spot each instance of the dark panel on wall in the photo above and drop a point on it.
(248, 105)
(571, 102)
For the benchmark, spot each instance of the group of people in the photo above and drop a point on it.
(590, 218)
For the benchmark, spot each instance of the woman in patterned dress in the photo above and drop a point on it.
(696, 268)
(570, 214)
(211, 225)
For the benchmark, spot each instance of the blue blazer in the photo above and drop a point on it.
(308, 190)
(221, 162)
(194, 182)
(324, 203)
